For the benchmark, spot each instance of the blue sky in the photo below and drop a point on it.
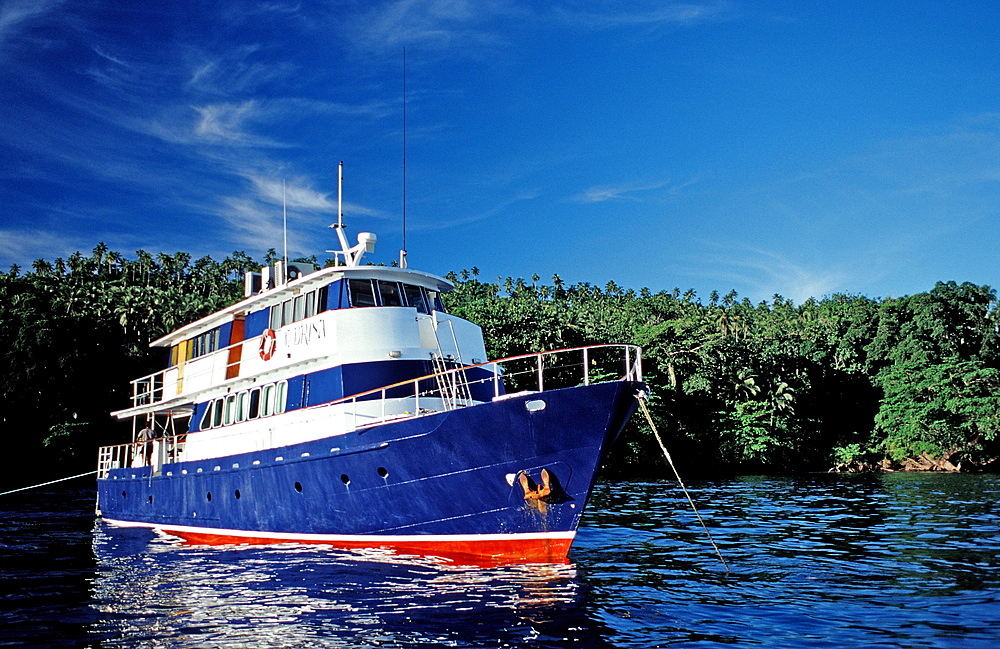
(795, 148)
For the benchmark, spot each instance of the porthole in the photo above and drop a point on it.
(345, 478)
(237, 494)
(209, 496)
(298, 487)
(382, 471)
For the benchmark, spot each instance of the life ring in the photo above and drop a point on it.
(268, 344)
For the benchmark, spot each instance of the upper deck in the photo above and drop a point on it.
(333, 317)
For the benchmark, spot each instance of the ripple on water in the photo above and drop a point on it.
(817, 561)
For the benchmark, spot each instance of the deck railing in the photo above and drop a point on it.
(504, 377)
(165, 384)
(438, 392)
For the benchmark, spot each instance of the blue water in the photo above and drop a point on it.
(820, 561)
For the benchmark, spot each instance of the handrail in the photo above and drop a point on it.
(633, 370)
(428, 401)
(150, 389)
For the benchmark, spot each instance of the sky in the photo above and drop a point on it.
(802, 149)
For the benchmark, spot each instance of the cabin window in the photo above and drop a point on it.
(217, 412)
(206, 419)
(242, 406)
(314, 298)
(257, 402)
(202, 344)
(267, 399)
(281, 393)
(254, 403)
(297, 308)
(390, 294)
(229, 414)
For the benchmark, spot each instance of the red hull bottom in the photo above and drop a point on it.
(492, 549)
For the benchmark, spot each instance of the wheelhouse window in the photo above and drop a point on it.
(362, 292)
(415, 297)
(390, 293)
(366, 292)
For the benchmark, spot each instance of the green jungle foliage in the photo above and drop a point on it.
(844, 381)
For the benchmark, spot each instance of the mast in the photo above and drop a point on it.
(366, 240)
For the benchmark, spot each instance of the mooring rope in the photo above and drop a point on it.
(642, 402)
(48, 483)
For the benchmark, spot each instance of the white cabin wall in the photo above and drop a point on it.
(469, 336)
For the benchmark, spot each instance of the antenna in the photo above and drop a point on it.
(402, 253)
(284, 219)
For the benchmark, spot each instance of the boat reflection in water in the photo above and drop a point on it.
(155, 589)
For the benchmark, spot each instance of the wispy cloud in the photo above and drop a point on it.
(430, 23)
(767, 272)
(38, 244)
(16, 15)
(625, 191)
(639, 15)
(493, 211)
(234, 71)
(470, 24)
(227, 123)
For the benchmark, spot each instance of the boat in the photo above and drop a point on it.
(345, 406)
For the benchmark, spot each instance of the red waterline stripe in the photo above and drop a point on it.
(543, 549)
(551, 547)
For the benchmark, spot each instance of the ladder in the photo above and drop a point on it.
(452, 385)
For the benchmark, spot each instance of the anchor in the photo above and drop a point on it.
(534, 492)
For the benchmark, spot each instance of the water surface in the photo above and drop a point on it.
(822, 561)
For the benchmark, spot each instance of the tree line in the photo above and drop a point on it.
(845, 381)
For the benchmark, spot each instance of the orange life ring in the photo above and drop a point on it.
(268, 344)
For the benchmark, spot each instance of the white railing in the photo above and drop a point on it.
(161, 386)
(166, 449)
(424, 395)
(507, 376)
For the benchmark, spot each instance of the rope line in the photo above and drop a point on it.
(49, 482)
(642, 402)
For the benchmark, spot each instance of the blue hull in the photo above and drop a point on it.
(448, 483)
